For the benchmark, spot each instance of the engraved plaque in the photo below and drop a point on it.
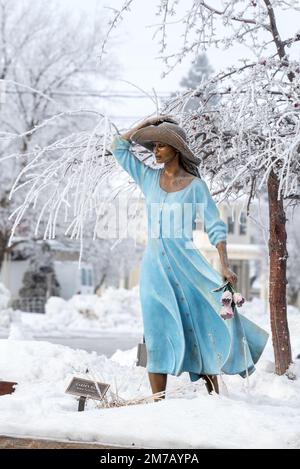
(87, 388)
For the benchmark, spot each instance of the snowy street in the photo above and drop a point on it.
(103, 344)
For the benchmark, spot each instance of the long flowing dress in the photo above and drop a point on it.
(181, 315)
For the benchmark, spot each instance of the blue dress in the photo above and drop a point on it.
(181, 315)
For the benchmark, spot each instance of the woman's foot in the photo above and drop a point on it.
(158, 384)
(211, 383)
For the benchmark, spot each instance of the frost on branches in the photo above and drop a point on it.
(71, 182)
(45, 58)
(254, 129)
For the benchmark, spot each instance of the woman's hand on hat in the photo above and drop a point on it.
(155, 120)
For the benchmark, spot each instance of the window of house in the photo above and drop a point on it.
(86, 277)
(83, 277)
(243, 224)
(230, 225)
(90, 277)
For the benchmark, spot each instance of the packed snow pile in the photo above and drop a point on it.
(117, 310)
(261, 413)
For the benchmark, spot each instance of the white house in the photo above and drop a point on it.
(71, 278)
(243, 253)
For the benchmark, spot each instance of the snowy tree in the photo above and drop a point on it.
(198, 74)
(253, 140)
(112, 261)
(73, 194)
(45, 57)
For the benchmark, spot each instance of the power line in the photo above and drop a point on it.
(93, 94)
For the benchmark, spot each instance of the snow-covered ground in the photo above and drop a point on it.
(261, 413)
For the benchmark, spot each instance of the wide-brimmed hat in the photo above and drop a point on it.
(168, 133)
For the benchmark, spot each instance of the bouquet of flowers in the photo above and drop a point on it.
(229, 300)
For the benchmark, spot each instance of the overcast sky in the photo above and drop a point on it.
(138, 52)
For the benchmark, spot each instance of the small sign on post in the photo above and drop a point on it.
(86, 388)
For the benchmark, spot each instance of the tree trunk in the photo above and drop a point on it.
(277, 284)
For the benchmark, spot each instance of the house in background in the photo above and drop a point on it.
(246, 258)
(72, 279)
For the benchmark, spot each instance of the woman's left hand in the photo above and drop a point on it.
(229, 275)
(155, 120)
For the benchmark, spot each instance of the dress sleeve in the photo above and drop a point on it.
(215, 228)
(139, 171)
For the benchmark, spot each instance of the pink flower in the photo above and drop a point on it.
(226, 312)
(238, 299)
(226, 298)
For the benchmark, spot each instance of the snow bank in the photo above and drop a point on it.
(263, 415)
(117, 310)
